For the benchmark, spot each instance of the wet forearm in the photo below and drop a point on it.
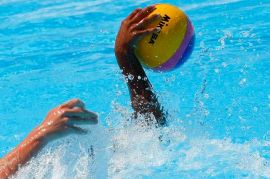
(144, 100)
(21, 154)
(56, 122)
(135, 76)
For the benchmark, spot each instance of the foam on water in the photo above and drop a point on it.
(136, 150)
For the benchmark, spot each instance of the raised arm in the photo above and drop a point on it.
(57, 120)
(143, 98)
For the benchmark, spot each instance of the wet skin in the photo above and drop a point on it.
(59, 122)
(143, 98)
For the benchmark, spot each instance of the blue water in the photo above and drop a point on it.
(218, 101)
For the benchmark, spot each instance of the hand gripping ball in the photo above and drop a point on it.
(171, 44)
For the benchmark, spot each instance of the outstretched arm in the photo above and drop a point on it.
(144, 100)
(59, 119)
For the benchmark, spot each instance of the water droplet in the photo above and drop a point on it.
(255, 109)
(216, 70)
(119, 93)
(130, 77)
(243, 82)
(224, 64)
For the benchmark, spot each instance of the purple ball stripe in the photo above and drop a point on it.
(172, 62)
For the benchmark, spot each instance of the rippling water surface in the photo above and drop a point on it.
(218, 101)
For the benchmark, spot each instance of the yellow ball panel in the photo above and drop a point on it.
(155, 49)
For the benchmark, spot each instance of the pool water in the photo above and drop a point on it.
(218, 101)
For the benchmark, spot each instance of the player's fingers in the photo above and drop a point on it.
(145, 22)
(81, 121)
(73, 103)
(82, 115)
(134, 13)
(143, 14)
(142, 33)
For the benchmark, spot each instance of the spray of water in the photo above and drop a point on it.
(136, 150)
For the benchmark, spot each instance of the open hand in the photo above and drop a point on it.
(63, 118)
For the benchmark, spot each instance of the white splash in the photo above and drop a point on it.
(136, 150)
